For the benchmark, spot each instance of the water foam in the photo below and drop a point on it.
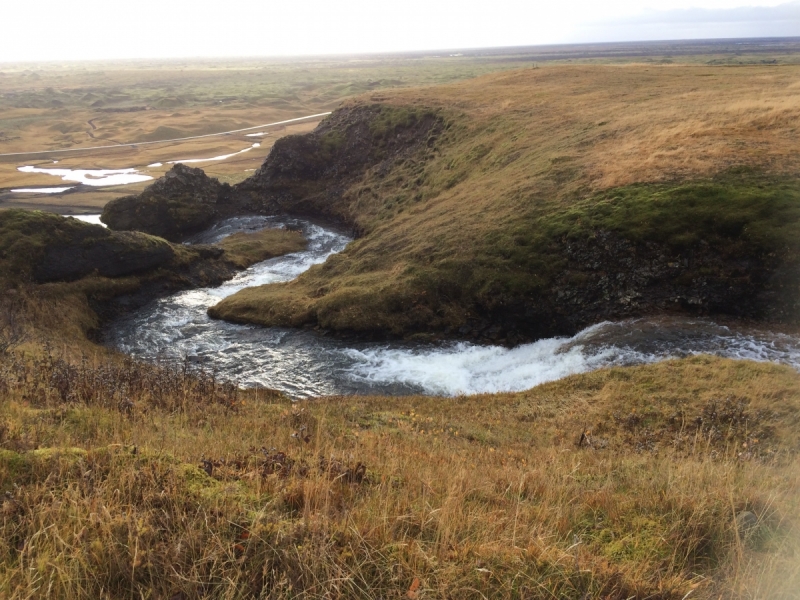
(470, 369)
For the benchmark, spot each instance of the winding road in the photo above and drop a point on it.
(183, 139)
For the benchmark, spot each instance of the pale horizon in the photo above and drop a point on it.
(86, 30)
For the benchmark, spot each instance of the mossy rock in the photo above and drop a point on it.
(47, 247)
(182, 202)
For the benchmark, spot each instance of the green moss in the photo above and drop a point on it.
(49, 454)
(331, 142)
(391, 118)
(745, 215)
(196, 480)
(28, 238)
(13, 465)
(25, 235)
(760, 212)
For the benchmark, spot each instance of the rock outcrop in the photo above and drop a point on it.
(610, 277)
(307, 174)
(302, 175)
(112, 255)
(46, 247)
(184, 201)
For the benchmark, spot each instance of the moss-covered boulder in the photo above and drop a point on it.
(184, 201)
(45, 247)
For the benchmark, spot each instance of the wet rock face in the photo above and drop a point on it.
(184, 201)
(609, 277)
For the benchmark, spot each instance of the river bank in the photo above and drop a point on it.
(307, 363)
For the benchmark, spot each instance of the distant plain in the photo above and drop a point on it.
(70, 106)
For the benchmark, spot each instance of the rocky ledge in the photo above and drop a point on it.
(302, 175)
(184, 201)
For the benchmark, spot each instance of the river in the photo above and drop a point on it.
(303, 363)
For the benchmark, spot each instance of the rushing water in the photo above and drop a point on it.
(303, 363)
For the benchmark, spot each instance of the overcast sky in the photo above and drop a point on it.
(108, 29)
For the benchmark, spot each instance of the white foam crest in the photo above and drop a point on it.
(155, 164)
(469, 369)
(92, 177)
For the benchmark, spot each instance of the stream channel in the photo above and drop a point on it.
(303, 363)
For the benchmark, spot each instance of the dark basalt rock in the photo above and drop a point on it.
(184, 201)
(609, 277)
(302, 175)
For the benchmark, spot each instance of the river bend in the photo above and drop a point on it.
(303, 363)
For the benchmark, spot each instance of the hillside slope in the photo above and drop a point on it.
(60, 277)
(540, 201)
(662, 481)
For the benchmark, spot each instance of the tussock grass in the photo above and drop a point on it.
(127, 479)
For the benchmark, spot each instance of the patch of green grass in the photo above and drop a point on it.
(738, 208)
(391, 118)
(748, 215)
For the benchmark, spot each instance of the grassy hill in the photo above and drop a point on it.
(648, 482)
(550, 199)
(517, 204)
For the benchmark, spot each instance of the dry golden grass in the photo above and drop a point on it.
(492, 496)
(617, 125)
(246, 249)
